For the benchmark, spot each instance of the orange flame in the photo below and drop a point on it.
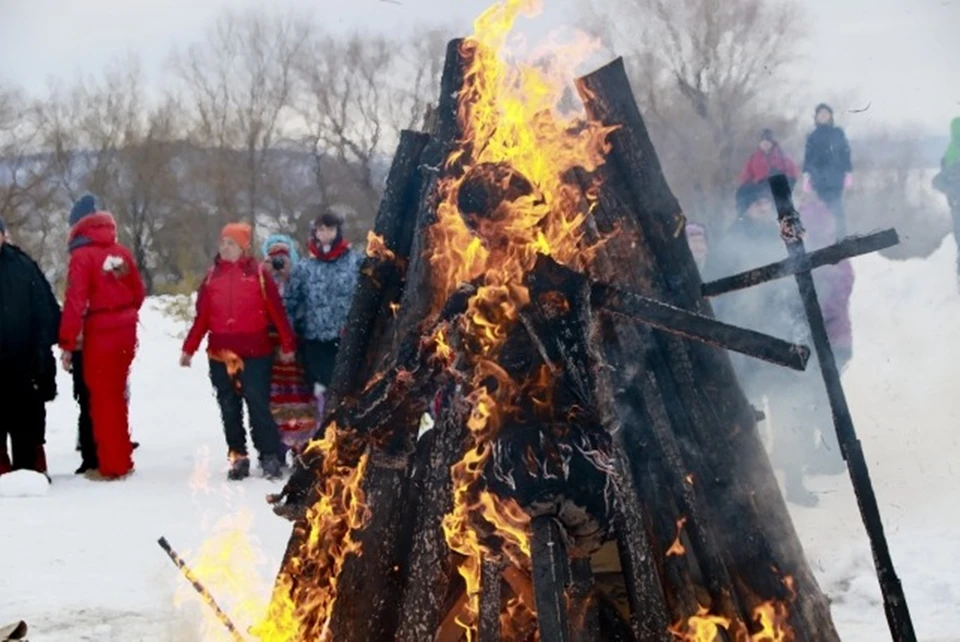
(516, 152)
(307, 586)
(377, 248)
(677, 547)
(702, 627)
(770, 616)
(442, 349)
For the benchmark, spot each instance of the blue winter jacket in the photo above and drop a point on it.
(319, 294)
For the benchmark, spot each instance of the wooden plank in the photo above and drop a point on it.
(706, 411)
(847, 248)
(584, 611)
(550, 573)
(894, 598)
(491, 577)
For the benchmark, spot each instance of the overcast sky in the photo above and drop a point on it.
(901, 56)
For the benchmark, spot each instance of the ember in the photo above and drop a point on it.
(524, 270)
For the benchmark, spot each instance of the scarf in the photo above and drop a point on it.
(338, 249)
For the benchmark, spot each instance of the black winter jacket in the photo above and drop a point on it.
(29, 321)
(827, 160)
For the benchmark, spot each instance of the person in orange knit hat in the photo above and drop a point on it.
(237, 304)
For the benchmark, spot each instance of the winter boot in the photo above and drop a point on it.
(85, 466)
(239, 467)
(797, 493)
(96, 476)
(272, 467)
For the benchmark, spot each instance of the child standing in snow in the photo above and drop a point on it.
(827, 168)
(291, 396)
(236, 305)
(768, 159)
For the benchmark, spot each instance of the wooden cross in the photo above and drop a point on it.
(800, 265)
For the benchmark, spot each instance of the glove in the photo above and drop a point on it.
(847, 181)
(807, 185)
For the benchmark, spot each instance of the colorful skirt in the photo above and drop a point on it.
(292, 404)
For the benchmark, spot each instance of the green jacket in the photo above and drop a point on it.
(952, 156)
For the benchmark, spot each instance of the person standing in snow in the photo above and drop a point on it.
(102, 304)
(798, 402)
(318, 298)
(768, 159)
(237, 303)
(291, 396)
(827, 168)
(29, 319)
(947, 180)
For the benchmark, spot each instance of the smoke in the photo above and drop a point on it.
(900, 370)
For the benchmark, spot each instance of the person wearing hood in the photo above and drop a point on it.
(947, 180)
(768, 159)
(827, 167)
(318, 298)
(292, 401)
(237, 304)
(799, 408)
(29, 319)
(102, 304)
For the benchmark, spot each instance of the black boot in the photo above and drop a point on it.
(239, 467)
(272, 467)
(85, 466)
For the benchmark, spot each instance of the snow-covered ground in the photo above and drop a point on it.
(82, 562)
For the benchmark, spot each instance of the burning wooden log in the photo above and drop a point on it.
(701, 407)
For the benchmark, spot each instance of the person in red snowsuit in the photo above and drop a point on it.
(768, 159)
(102, 305)
(237, 304)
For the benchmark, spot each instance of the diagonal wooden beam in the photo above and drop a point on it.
(676, 321)
(700, 328)
(847, 248)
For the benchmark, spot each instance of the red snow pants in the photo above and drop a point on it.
(107, 355)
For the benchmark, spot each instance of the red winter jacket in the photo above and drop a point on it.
(237, 304)
(761, 166)
(104, 290)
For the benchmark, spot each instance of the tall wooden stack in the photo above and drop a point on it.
(666, 412)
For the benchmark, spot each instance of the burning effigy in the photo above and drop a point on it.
(528, 271)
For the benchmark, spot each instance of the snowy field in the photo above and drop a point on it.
(82, 562)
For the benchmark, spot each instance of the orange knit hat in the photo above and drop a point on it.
(240, 233)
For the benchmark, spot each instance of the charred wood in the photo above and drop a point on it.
(551, 573)
(707, 409)
(491, 576)
(845, 249)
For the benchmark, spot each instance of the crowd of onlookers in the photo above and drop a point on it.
(273, 325)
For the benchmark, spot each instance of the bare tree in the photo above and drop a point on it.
(359, 94)
(239, 84)
(24, 182)
(710, 75)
